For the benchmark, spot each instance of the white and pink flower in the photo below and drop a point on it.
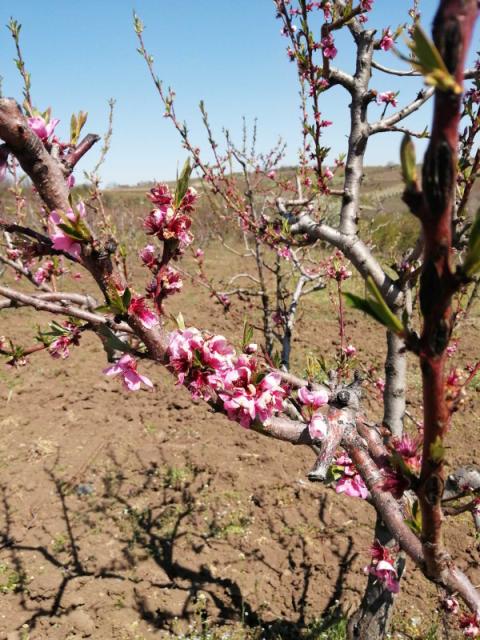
(60, 238)
(382, 567)
(314, 398)
(126, 368)
(41, 127)
(138, 308)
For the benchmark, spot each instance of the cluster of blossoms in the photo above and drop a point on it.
(336, 269)
(382, 567)
(168, 222)
(210, 368)
(171, 224)
(48, 269)
(350, 482)
(328, 47)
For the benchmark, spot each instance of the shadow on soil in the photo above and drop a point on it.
(173, 521)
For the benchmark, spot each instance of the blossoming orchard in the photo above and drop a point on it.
(299, 233)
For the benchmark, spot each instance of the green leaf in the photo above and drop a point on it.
(73, 129)
(415, 519)
(182, 182)
(437, 450)
(127, 298)
(472, 260)
(334, 473)
(408, 162)
(110, 339)
(247, 333)
(430, 63)
(180, 322)
(71, 232)
(137, 24)
(377, 308)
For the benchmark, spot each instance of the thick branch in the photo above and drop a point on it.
(385, 124)
(45, 171)
(42, 303)
(355, 250)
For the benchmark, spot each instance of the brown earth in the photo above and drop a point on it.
(128, 516)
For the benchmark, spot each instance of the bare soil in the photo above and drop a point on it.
(127, 516)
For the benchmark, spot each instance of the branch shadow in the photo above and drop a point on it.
(159, 532)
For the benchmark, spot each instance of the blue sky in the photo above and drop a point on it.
(227, 52)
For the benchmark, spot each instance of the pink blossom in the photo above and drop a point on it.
(225, 300)
(318, 427)
(148, 256)
(180, 351)
(60, 239)
(240, 405)
(217, 353)
(452, 348)
(454, 378)
(470, 623)
(251, 348)
(138, 308)
(410, 450)
(335, 269)
(327, 10)
(168, 224)
(277, 318)
(271, 174)
(269, 398)
(386, 43)
(126, 367)
(285, 253)
(43, 273)
(380, 384)
(394, 482)
(199, 255)
(315, 399)
(328, 174)
(160, 196)
(353, 486)
(167, 282)
(328, 46)
(366, 5)
(450, 605)
(351, 483)
(14, 254)
(188, 200)
(387, 97)
(382, 567)
(71, 181)
(59, 348)
(41, 127)
(349, 351)
(387, 574)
